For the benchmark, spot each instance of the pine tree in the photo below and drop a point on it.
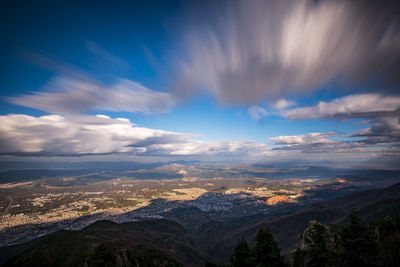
(266, 251)
(241, 254)
(388, 230)
(358, 244)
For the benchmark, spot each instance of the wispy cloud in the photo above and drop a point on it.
(257, 113)
(104, 57)
(69, 94)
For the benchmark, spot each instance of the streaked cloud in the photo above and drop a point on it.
(104, 57)
(69, 94)
(251, 51)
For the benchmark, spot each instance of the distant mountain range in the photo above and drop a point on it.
(100, 171)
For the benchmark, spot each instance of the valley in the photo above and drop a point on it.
(33, 208)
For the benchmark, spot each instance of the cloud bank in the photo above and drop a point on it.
(79, 135)
(249, 51)
(56, 135)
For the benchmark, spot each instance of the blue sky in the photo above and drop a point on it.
(261, 80)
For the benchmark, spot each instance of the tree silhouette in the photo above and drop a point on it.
(266, 251)
(103, 256)
(210, 264)
(358, 244)
(389, 240)
(241, 256)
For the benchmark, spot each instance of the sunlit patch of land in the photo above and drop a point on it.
(12, 185)
(40, 202)
(183, 194)
(280, 199)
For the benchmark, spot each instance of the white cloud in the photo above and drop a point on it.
(353, 106)
(317, 143)
(76, 94)
(55, 135)
(78, 135)
(283, 103)
(257, 112)
(310, 138)
(220, 148)
(380, 138)
(381, 111)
